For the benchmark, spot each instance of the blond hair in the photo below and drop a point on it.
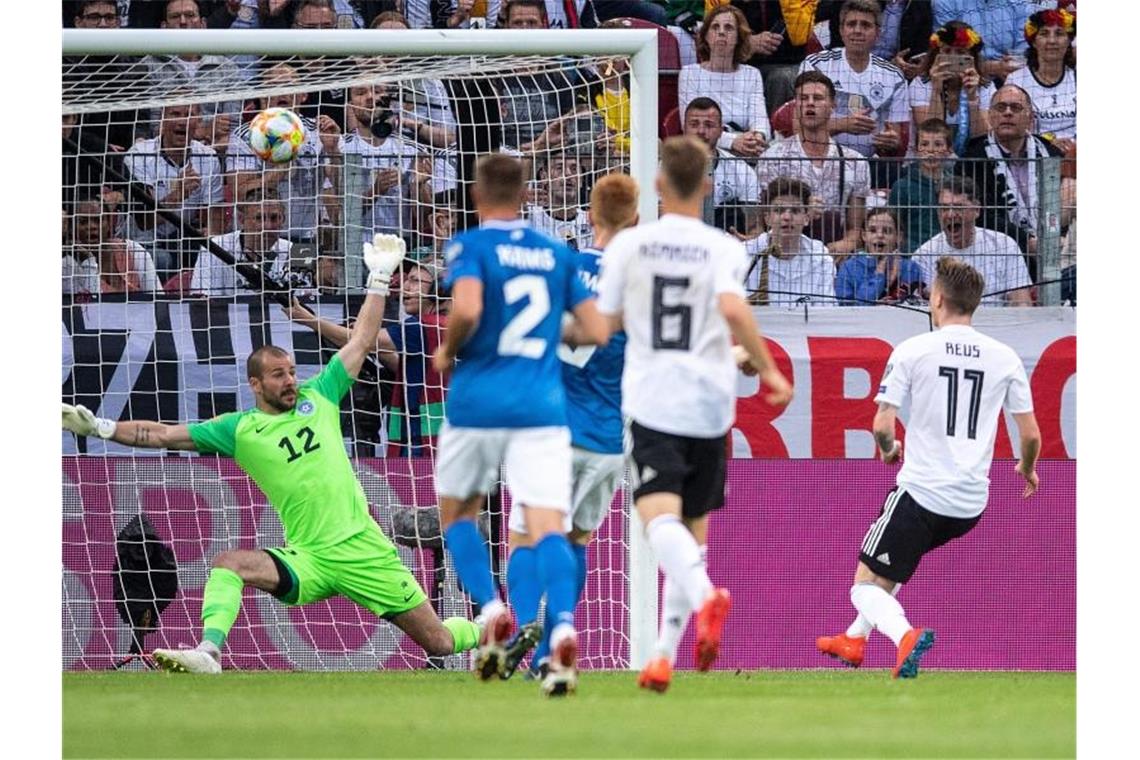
(613, 202)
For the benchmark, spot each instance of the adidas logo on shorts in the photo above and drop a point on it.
(884, 558)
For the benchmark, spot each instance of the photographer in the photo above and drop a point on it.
(390, 159)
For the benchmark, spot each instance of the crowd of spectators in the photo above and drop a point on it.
(854, 143)
(851, 138)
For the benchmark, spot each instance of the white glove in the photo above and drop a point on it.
(382, 257)
(80, 420)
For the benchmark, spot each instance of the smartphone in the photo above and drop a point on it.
(919, 58)
(957, 62)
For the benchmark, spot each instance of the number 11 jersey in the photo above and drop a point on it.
(957, 381)
(507, 373)
(665, 279)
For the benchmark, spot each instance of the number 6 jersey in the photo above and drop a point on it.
(957, 381)
(665, 279)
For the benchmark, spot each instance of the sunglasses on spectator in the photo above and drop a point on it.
(1010, 107)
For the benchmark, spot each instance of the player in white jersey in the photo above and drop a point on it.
(957, 381)
(675, 285)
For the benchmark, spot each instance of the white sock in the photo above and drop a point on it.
(881, 609)
(490, 610)
(861, 627)
(680, 557)
(675, 614)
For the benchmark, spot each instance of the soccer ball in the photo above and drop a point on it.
(276, 135)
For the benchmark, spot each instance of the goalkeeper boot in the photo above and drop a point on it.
(496, 630)
(913, 646)
(656, 675)
(847, 649)
(524, 640)
(562, 678)
(710, 624)
(186, 661)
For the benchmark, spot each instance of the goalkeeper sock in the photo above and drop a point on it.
(881, 609)
(221, 600)
(675, 614)
(558, 571)
(523, 587)
(464, 634)
(861, 627)
(471, 562)
(680, 557)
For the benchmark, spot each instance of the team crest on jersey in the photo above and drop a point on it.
(517, 235)
(451, 251)
(877, 92)
(306, 408)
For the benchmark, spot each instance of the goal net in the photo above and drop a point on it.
(184, 251)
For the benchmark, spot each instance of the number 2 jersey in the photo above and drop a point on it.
(957, 381)
(298, 460)
(665, 279)
(507, 373)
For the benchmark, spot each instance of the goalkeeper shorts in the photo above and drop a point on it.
(364, 568)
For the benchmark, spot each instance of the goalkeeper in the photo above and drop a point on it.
(291, 444)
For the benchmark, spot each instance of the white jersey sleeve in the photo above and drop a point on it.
(730, 268)
(611, 281)
(895, 385)
(1018, 398)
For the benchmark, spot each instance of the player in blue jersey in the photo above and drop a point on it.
(592, 376)
(510, 286)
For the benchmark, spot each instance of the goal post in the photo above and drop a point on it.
(98, 78)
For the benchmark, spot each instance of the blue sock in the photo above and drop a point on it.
(558, 571)
(523, 587)
(580, 555)
(472, 564)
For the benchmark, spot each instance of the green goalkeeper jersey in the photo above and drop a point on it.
(298, 460)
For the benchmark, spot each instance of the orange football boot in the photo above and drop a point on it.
(710, 623)
(911, 649)
(847, 649)
(656, 675)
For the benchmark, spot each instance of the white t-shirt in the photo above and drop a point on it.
(734, 180)
(946, 463)
(996, 255)
(880, 87)
(146, 163)
(213, 277)
(665, 278)
(811, 270)
(300, 189)
(740, 95)
(787, 159)
(390, 212)
(1054, 106)
(575, 232)
(83, 276)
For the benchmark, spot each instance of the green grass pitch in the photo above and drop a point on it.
(823, 713)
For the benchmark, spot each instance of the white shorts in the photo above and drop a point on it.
(536, 460)
(595, 479)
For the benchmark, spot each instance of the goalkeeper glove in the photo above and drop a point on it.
(382, 256)
(80, 420)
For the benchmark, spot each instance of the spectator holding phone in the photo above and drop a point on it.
(999, 24)
(950, 87)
